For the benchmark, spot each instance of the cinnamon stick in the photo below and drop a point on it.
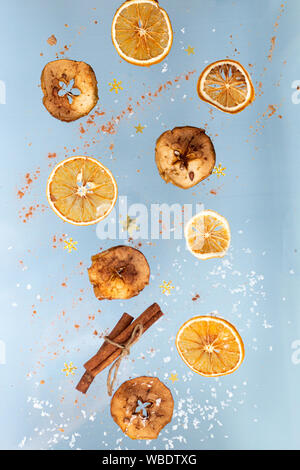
(109, 352)
(117, 351)
(87, 377)
(124, 321)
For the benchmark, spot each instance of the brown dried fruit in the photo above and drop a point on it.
(184, 156)
(69, 104)
(142, 423)
(120, 272)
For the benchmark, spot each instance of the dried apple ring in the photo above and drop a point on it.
(120, 272)
(184, 156)
(70, 89)
(142, 407)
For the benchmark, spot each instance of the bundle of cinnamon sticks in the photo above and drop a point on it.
(120, 334)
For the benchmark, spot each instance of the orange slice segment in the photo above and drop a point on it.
(226, 85)
(142, 32)
(81, 190)
(210, 346)
(207, 235)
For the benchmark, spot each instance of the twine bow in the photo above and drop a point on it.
(135, 336)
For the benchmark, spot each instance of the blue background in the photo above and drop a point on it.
(255, 286)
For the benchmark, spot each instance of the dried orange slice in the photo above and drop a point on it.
(141, 32)
(207, 235)
(226, 85)
(210, 346)
(81, 190)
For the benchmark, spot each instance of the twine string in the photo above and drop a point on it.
(113, 371)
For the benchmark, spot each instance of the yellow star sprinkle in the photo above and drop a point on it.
(69, 369)
(129, 225)
(218, 170)
(166, 287)
(190, 50)
(70, 245)
(173, 378)
(139, 128)
(115, 86)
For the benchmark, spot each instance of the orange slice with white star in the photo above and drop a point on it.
(81, 190)
(141, 32)
(227, 85)
(210, 346)
(207, 235)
